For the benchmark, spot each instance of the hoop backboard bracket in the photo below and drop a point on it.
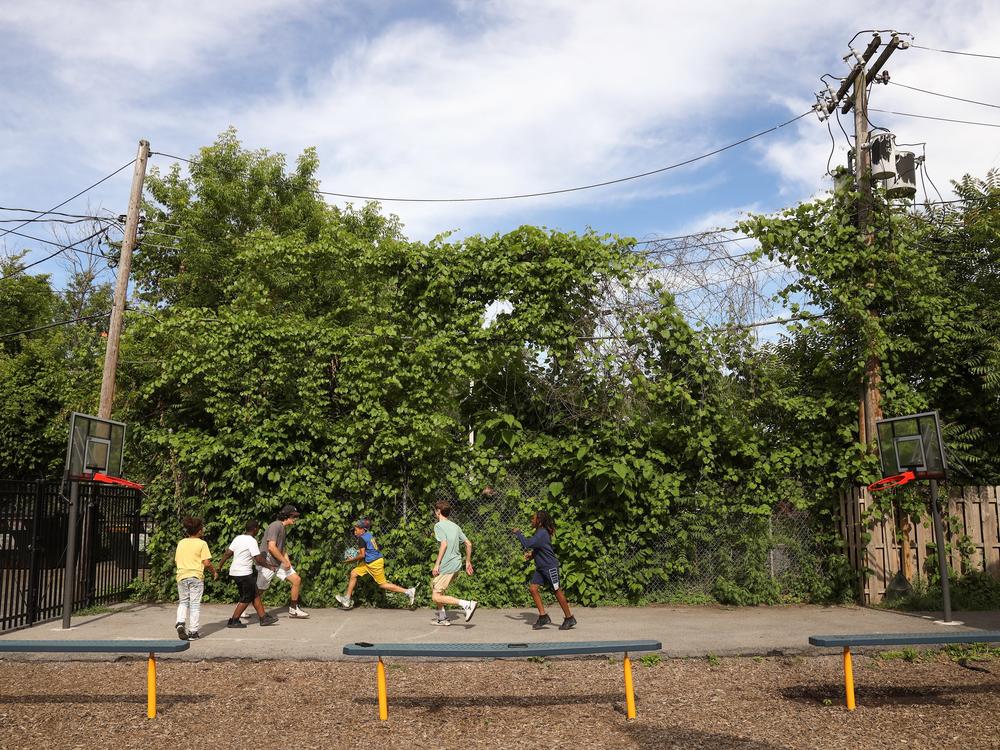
(912, 443)
(95, 446)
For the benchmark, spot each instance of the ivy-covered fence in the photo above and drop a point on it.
(740, 558)
(874, 540)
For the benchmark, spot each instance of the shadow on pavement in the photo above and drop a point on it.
(884, 696)
(444, 703)
(161, 699)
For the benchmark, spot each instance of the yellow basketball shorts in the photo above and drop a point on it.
(376, 569)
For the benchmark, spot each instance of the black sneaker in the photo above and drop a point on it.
(181, 632)
(541, 622)
(568, 623)
(235, 624)
(268, 619)
(194, 636)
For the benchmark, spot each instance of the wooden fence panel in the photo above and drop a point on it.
(977, 510)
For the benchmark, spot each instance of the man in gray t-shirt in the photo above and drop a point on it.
(275, 533)
(449, 563)
(273, 547)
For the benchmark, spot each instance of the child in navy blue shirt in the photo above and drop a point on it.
(370, 562)
(539, 547)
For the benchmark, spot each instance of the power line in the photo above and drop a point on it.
(60, 245)
(942, 119)
(946, 96)
(546, 192)
(12, 334)
(955, 52)
(62, 249)
(72, 197)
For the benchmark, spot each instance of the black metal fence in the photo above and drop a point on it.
(34, 518)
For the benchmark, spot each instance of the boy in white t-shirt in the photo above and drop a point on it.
(245, 552)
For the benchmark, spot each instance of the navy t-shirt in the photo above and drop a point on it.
(541, 543)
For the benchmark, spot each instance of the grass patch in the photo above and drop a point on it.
(976, 591)
(97, 609)
(713, 660)
(651, 660)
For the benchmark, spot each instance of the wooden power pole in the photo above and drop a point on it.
(870, 403)
(121, 287)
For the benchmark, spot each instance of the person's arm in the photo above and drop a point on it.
(208, 564)
(262, 562)
(277, 554)
(436, 570)
(225, 556)
(531, 543)
(468, 557)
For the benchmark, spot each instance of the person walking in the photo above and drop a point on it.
(274, 550)
(539, 547)
(450, 537)
(245, 552)
(191, 558)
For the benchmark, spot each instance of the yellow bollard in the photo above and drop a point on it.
(151, 687)
(848, 678)
(383, 699)
(629, 693)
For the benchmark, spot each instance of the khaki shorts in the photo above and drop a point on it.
(376, 569)
(442, 581)
(266, 575)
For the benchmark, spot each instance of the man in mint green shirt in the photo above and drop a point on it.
(449, 562)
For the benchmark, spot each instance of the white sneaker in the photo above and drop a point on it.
(344, 601)
(412, 594)
(470, 610)
(442, 623)
(297, 613)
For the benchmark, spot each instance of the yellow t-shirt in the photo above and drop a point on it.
(189, 556)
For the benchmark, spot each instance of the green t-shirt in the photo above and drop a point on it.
(450, 532)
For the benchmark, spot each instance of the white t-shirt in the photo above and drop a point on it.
(244, 549)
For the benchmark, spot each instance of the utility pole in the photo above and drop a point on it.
(121, 287)
(870, 403)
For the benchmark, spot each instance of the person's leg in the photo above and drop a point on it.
(197, 589)
(183, 599)
(296, 580)
(258, 606)
(443, 599)
(537, 579)
(537, 597)
(352, 583)
(561, 598)
(390, 586)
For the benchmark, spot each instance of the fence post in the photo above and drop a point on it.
(36, 517)
(90, 545)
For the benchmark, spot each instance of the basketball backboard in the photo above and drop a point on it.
(912, 443)
(95, 446)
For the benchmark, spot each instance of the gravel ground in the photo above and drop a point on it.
(745, 704)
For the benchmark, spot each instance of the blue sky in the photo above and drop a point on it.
(467, 99)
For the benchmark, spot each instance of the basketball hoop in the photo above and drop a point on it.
(104, 478)
(896, 480)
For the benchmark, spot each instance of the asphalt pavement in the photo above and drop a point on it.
(685, 631)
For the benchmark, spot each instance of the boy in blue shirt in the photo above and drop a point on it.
(370, 562)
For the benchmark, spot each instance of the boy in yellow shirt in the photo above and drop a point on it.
(191, 558)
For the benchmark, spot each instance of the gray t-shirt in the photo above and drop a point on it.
(450, 532)
(275, 531)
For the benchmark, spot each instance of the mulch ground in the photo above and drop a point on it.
(745, 704)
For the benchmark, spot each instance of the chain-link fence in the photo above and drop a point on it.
(734, 557)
